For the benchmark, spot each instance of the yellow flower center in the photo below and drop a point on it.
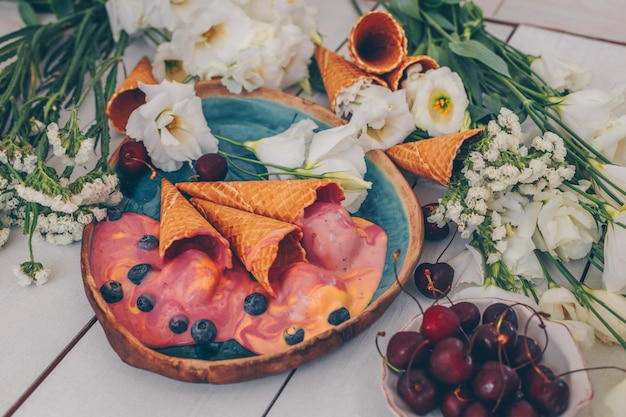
(214, 32)
(174, 70)
(174, 124)
(441, 106)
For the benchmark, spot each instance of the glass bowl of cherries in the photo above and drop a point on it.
(484, 357)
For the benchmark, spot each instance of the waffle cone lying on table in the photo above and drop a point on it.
(431, 158)
(307, 276)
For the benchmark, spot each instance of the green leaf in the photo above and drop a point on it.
(62, 8)
(476, 50)
(442, 21)
(408, 7)
(27, 13)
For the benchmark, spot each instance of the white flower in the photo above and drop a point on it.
(346, 98)
(250, 71)
(172, 14)
(617, 304)
(468, 266)
(293, 50)
(286, 149)
(519, 256)
(385, 118)
(334, 153)
(561, 304)
(611, 141)
(172, 125)
(126, 15)
(613, 276)
(4, 235)
(440, 102)
(564, 228)
(213, 39)
(83, 156)
(586, 111)
(31, 273)
(561, 75)
(617, 175)
(614, 401)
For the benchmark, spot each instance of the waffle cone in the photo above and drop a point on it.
(128, 96)
(432, 158)
(395, 77)
(260, 242)
(377, 43)
(182, 224)
(338, 73)
(283, 200)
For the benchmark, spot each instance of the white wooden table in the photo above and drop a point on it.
(55, 360)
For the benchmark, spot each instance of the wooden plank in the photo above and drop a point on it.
(596, 19)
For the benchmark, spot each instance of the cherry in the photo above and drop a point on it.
(469, 315)
(454, 401)
(488, 339)
(439, 322)
(493, 312)
(433, 280)
(403, 346)
(476, 409)
(548, 393)
(133, 158)
(525, 352)
(521, 408)
(211, 167)
(495, 381)
(432, 231)
(450, 361)
(419, 391)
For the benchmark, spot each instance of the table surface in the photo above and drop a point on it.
(55, 360)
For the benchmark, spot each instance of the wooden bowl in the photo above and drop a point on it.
(391, 203)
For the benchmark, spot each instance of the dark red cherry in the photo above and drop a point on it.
(450, 361)
(133, 158)
(494, 311)
(490, 342)
(419, 391)
(469, 315)
(525, 352)
(404, 346)
(439, 322)
(476, 409)
(432, 231)
(548, 393)
(495, 381)
(521, 408)
(211, 167)
(433, 280)
(454, 401)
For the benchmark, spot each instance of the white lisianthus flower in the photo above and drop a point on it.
(519, 256)
(586, 111)
(335, 154)
(171, 15)
(564, 228)
(613, 276)
(251, 70)
(126, 15)
(171, 125)
(614, 401)
(347, 97)
(385, 118)
(611, 141)
(561, 304)
(440, 101)
(213, 39)
(468, 266)
(293, 51)
(286, 149)
(561, 75)
(616, 303)
(617, 175)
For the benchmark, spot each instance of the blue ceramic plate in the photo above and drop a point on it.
(390, 203)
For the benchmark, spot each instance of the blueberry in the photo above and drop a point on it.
(148, 242)
(203, 331)
(114, 213)
(137, 273)
(112, 291)
(179, 324)
(293, 335)
(255, 304)
(338, 316)
(145, 303)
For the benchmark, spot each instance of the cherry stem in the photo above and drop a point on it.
(396, 255)
(594, 368)
(153, 173)
(453, 235)
(378, 335)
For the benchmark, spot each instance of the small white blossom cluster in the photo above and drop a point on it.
(63, 229)
(61, 146)
(248, 43)
(496, 167)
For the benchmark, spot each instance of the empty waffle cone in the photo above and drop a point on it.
(377, 43)
(338, 74)
(395, 77)
(128, 96)
(283, 200)
(260, 242)
(432, 158)
(182, 225)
